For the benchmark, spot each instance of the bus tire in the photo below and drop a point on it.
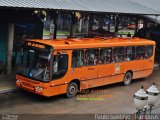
(127, 78)
(72, 90)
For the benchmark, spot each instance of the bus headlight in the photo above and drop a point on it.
(18, 81)
(39, 88)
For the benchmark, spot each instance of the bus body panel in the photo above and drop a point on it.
(108, 80)
(89, 73)
(106, 70)
(142, 74)
(55, 90)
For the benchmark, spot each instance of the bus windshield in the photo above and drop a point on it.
(34, 63)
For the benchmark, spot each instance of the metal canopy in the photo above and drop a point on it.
(151, 4)
(106, 6)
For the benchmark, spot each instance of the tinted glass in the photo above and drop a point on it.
(118, 55)
(129, 53)
(91, 57)
(60, 66)
(149, 51)
(77, 58)
(105, 56)
(140, 52)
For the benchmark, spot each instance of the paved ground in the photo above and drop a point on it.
(7, 83)
(118, 99)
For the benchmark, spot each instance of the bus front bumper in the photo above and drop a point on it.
(30, 85)
(31, 88)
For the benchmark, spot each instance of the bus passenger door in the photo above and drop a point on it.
(59, 71)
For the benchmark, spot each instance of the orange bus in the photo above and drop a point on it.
(53, 67)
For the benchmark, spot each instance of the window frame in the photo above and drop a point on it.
(146, 51)
(77, 58)
(140, 52)
(113, 53)
(105, 55)
(95, 56)
(57, 66)
(125, 53)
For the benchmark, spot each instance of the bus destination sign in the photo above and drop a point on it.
(36, 45)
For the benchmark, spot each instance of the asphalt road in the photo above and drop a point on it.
(109, 99)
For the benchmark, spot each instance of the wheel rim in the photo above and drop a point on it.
(72, 90)
(128, 78)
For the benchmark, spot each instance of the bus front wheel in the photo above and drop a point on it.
(127, 78)
(72, 90)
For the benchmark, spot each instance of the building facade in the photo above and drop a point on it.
(15, 27)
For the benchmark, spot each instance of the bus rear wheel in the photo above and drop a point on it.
(72, 90)
(127, 78)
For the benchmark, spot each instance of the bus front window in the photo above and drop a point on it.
(34, 64)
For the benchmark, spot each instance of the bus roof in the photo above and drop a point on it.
(77, 43)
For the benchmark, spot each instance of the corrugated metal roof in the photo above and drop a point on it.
(151, 4)
(113, 6)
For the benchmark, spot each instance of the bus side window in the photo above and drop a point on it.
(105, 56)
(77, 58)
(118, 55)
(91, 57)
(129, 53)
(60, 66)
(140, 52)
(149, 51)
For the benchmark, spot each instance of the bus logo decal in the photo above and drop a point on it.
(117, 68)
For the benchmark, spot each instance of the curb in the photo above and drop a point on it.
(8, 89)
